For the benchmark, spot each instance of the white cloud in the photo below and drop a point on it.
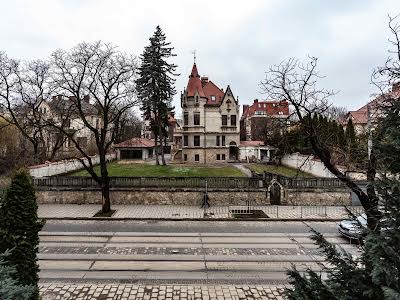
(235, 40)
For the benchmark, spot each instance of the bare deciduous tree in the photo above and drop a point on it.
(99, 72)
(296, 82)
(23, 87)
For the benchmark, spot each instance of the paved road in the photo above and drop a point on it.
(180, 252)
(189, 226)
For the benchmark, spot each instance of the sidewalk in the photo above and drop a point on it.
(178, 212)
(167, 292)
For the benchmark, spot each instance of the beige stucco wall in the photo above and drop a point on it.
(210, 127)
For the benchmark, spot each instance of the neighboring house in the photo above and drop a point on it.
(135, 149)
(254, 151)
(173, 126)
(210, 129)
(257, 119)
(63, 112)
(373, 109)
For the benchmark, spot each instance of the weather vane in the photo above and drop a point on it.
(194, 55)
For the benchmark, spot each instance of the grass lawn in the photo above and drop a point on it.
(143, 170)
(279, 170)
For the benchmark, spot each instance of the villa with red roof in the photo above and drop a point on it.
(260, 117)
(210, 129)
(373, 109)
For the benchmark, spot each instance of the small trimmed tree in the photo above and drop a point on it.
(9, 286)
(19, 228)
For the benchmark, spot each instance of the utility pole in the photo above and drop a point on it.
(369, 130)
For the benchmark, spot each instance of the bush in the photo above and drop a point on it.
(9, 287)
(19, 228)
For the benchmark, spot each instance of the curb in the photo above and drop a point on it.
(193, 219)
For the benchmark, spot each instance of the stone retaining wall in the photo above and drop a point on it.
(318, 197)
(193, 196)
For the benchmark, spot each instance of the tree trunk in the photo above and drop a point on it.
(156, 148)
(373, 215)
(370, 206)
(105, 184)
(161, 137)
(105, 193)
(162, 143)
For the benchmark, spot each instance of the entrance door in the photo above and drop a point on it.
(233, 151)
(275, 193)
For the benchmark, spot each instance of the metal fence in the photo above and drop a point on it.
(172, 182)
(276, 211)
(300, 183)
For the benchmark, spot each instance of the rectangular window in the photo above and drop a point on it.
(196, 141)
(197, 157)
(185, 157)
(196, 119)
(185, 140)
(185, 119)
(223, 156)
(223, 140)
(218, 143)
(233, 120)
(224, 120)
(218, 157)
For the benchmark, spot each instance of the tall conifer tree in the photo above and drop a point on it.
(155, 86)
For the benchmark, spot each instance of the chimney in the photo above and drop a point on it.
(245, 107)
(255, 100)
(86, 98)
(396, 87)
(204, 81)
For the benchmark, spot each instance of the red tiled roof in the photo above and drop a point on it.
(251, 143)
(268, 107)
(360, 116)
(194, 83)
(211, 89)
(171, 119)
(136, 143)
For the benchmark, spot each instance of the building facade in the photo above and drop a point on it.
(257, 119)
(63, 112)
(372, 111)
(210, 127)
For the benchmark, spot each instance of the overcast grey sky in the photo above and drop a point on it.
(236, 41)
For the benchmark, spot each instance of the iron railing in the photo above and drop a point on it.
(301, 183)
(298, 211)
(154, 182)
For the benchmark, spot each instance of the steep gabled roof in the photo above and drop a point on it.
(194, 83)
(211, 89)
(228, 93)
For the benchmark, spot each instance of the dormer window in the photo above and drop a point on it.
(212, 98)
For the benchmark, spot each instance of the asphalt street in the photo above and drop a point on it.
(181, 252)
(190, 226)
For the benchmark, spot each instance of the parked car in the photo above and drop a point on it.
(353, 229)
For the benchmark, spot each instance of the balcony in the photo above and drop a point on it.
(226, 128)
(193, 128)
